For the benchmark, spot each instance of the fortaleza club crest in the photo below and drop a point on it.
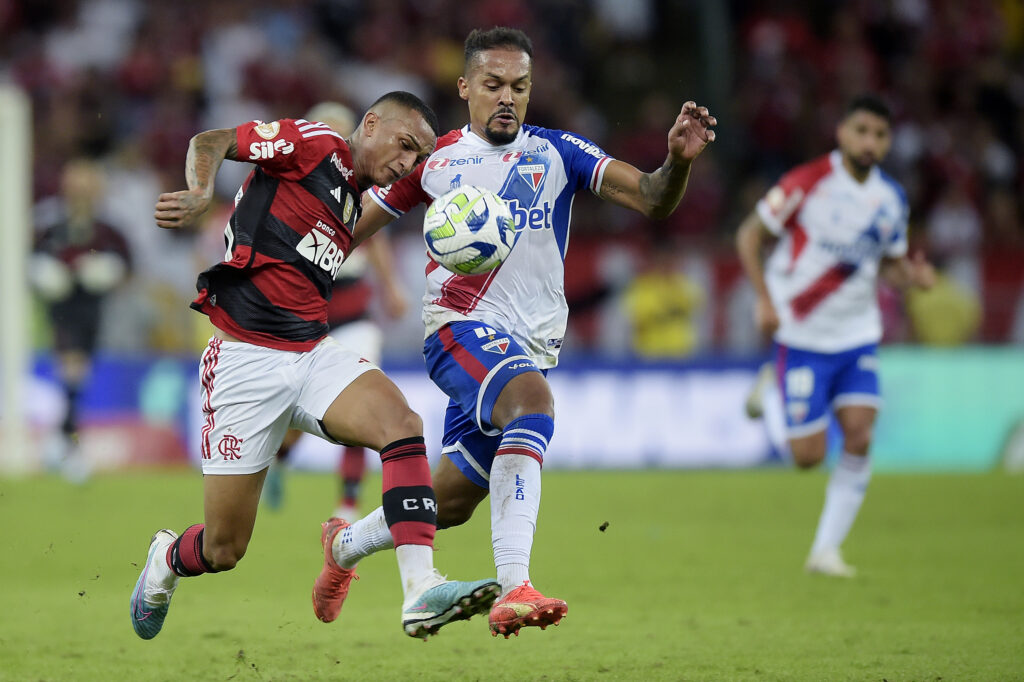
(533, 173)
(496, 346)
(797, 410)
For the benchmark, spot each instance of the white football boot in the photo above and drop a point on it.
(829, 562)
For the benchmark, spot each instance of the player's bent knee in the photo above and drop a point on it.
(857, 443)
(808, 451)
(807, 461)
(807, 456)
(407, 425)
(525, 394)
(451, 513)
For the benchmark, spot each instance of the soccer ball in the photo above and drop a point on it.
(469, 230)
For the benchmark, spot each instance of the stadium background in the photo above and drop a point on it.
(129, 82)
(698, 576)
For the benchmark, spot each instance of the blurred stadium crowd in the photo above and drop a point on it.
(128, 82)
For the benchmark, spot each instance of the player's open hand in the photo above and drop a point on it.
(765, 316)
(922, 273)
(177, 210)
(691, 132)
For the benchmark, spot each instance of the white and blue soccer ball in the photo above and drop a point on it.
(469, 230)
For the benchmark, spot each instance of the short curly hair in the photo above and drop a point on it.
(499, 37)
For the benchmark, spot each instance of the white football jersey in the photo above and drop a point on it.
(833, 232)
(538, 174)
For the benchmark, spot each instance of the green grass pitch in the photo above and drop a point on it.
(698, 576)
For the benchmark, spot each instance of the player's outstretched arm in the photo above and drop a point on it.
(751, 238)
(372, 219)
(657, 194)
(903, 273)
(382, 259)
(206, 151)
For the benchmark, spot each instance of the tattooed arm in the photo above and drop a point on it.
(657, 194)
(206, 151)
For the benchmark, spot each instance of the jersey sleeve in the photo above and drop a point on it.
(898, 242)
(402, 196)
(288, 149)
(783, 201)
(584, 161)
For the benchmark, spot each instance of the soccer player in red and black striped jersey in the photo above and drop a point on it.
(366, 273)
(270, 365)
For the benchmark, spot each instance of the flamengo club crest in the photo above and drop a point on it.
(230, 447)
(346, 214)
(533, 173)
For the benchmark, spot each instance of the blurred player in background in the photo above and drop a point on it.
(348, 317)
(77, 261)
(270, 364)
(834, 226)
(491, 338)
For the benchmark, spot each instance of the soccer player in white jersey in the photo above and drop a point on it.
(834, 225)
(491, 338)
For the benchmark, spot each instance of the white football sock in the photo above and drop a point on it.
(415, 564)
(515, 503)
(163, 574)
(843, 497)
(366, 536)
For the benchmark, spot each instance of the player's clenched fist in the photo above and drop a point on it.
(175, 210)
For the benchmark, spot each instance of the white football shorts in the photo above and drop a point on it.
(251, 395)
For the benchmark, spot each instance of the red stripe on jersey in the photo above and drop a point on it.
(221, 320)
(349, 301)
(462, 293)
(597, 172)
(240, 256)
(798, 239)
(805, 177)
(819, 290)
(296, 207)
(287, 287)
(407, 193)
(471, 365)
(802, 179)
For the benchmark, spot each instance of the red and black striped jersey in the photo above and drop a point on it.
(289, 233)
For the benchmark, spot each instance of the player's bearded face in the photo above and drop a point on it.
(497, 87)
(864, 140)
